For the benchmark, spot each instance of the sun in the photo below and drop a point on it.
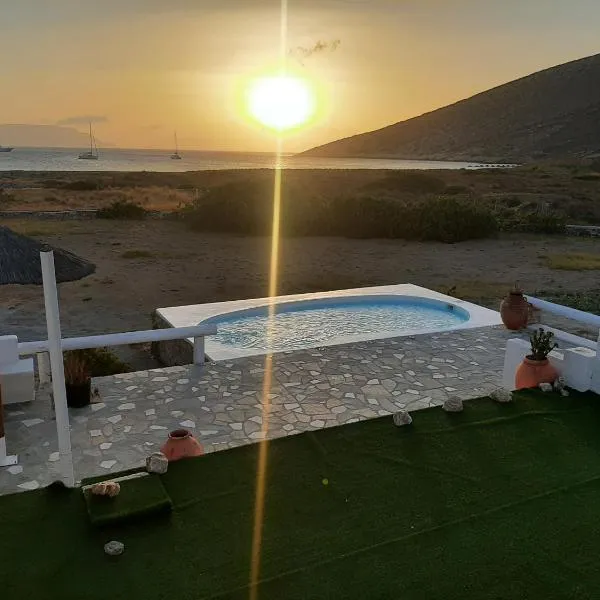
(281, 102)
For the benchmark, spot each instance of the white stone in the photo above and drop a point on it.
(256, 419)
(288, 427)
(160, 379)
(114, 548)
(545, 387)
(108, 464)
(291, 406)
(127, 428)
(54, 457)
(402, 418)
(157, 427)
(208, 432)
(95, 433)
(453, 404)
(32, 422)
(183, 381)
(372, 401)
(349, 395)
(318, 423)
(150, 411)
(188, 423)
(126, 406)
(15, 470)
(413, 392)
(501, 395)
(236, 426)
(177, 413)
(29, 485)
(336, 410)
(97, 406)
(258, 435)
(157, 463)
(114, 419)
(105, 445)
(130, 388)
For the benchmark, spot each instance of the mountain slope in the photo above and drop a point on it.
(552, 113)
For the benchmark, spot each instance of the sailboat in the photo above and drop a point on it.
(176, 155)
(6, 149)
(92, 154)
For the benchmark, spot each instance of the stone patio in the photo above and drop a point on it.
(222, 402)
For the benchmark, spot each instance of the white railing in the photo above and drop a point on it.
(196, 333)
(570, 313)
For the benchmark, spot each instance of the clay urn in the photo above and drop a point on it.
(532, 372)
(181, 444)
(514, 310)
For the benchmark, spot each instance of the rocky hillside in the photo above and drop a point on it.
(554, 113)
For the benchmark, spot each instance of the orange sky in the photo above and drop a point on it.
(147, 67)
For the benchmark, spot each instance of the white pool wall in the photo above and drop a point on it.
(183, 316)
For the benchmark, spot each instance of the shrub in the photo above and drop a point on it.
(122, 209)
(412, 182)
(455, 190)
(80, 185)
(99, 362)
(247, 209)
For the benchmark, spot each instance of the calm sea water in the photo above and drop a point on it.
(65, 159)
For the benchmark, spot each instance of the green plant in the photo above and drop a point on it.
(541, 344)
(99, 362)
(122, 209)
(76, 369)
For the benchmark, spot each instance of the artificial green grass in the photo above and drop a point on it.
(500, 501)
(139, 498)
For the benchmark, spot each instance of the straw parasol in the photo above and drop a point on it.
(20, 261)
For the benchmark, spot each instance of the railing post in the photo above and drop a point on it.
(43, 365)
(199, 350)
(56, 364)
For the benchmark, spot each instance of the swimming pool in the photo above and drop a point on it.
(325, 319)
(299, 325)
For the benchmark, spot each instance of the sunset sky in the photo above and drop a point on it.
(146, 67)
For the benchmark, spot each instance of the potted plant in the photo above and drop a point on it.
(536, 367)
(514, 310)
(78, 381)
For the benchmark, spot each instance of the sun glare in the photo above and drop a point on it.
(281, 102)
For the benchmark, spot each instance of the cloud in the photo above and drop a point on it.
(83, 120)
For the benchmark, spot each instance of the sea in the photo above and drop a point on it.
(65, 159)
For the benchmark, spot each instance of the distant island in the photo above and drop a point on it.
(45, 136)
(553, 113)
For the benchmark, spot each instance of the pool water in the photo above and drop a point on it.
(302, 325)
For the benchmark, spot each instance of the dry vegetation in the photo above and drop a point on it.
(574, 262)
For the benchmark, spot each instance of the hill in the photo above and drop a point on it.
(45, 136)
(553, 113)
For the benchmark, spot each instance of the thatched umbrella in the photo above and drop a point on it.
(20, 261)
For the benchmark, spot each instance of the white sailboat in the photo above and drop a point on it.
(176, 155)
(92, 154)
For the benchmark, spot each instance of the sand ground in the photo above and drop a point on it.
(174, 266)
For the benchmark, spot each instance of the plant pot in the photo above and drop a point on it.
(514, 311)
(78, 394)
(532, 372)
(181, 444)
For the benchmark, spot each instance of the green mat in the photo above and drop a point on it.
(500, 501)
(139, 498)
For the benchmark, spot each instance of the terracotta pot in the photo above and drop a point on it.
(181, 444)
(78, 394)
(533, 372)
(514, 310)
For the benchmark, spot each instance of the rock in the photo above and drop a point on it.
(453, 404)
(545, 387)
(106, 488)
(564, 393)
(402, 418)
(501, 395)
(114, 548)
(157, 463)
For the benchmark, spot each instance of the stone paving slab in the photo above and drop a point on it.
(222, 403)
